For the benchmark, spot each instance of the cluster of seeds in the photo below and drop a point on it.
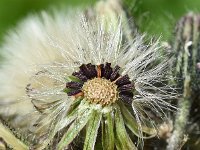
(100, 84)
(99, 90)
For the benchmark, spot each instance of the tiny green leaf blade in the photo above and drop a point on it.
(74, 129)
(73, 113)
(67, 90)
(73, 78)
(108, 132)
(132, 124)
(122, 139)
(92, 130)
(68, 119)
(75, 104)
(128, 119)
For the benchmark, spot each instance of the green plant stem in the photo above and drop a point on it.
(176, 140)
(7, 135)
(187, 53)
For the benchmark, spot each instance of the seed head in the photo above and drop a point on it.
(99, 90)
(80, 74)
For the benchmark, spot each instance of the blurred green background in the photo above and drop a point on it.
(156, 17)
(12, 11)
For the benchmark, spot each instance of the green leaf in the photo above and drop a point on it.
(122, 139)
(73, 78)
(10, 139)
(74, 129)
(107, 132)
(132, 124)
(75, 104)
(92, 130)
(67, 90)
(73, 113)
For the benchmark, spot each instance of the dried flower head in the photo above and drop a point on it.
(85, 80)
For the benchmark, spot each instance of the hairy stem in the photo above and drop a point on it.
(187, 53)
(8, 137)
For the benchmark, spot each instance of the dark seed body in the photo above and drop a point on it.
(107, 70)
(80, 76)
(126, 97)
(115, 73)
(73, 92)
(123, 80)
(89, 70)
(126, 87)
(74, 85)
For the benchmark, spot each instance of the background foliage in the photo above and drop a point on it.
(12, 11)
(156, 17)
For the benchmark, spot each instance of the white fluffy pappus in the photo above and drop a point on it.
(44, 51)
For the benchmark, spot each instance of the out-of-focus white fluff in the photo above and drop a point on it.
(37, 41)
